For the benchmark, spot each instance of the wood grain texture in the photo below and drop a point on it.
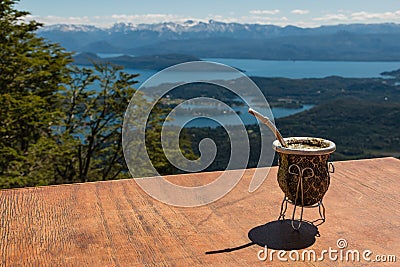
(115, 223)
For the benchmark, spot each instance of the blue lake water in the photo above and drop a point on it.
(107, 55)
(230, 119)
(309, 69)
(295, 69)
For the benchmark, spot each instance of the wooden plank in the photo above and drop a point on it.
(115, 223)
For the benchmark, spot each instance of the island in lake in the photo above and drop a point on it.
(152, 62)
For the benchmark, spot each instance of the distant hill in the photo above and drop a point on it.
(234, 40)
(154, 62)
(359, 128)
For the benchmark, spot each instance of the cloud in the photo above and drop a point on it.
(154, 17)
(361, 16)
(48, 20)
(329, 17)
(265, 12)
(380, 16)
(300, 11)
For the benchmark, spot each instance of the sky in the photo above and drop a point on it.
(302, 13)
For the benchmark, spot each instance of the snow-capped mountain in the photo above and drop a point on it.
(207, 29)
(219, 39)
(213, 26)
(69, 28)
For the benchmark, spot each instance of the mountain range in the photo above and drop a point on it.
(234, 40)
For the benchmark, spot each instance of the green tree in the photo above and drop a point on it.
(94, 103)
(32, 71)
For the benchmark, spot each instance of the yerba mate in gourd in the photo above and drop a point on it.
(304, 158)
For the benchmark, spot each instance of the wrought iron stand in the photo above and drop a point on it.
(296, 170)
(319, 205)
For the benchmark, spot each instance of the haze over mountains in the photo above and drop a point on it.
(234, 40)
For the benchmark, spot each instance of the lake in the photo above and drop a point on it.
(228, 119)
(298, 69)
(309, 69)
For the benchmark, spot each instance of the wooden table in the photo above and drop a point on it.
(115, 223)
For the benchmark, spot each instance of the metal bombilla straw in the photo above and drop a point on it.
(270, 125)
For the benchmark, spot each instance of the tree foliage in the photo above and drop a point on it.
(32, 72)
(61, 124)
(94, 102)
